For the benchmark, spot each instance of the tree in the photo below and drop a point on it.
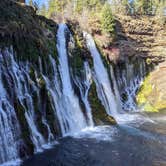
(43, 10)
(56, 6)
(31, 2)
(21, 1)
(126, 6)
(107, 20)
(143, 6)
(79, 5)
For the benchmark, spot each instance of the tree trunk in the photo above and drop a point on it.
(21, 1)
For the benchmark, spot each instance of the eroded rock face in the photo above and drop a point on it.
(143, 38)
(138, 40)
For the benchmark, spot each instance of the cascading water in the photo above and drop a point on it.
(129, 81)
(18, 88)
(102, 79)
(84, 87)
(72, 114)
(116, 90)
(24, 95)
(9, 127)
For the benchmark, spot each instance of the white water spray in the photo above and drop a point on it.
(72, 113)
(102, 79)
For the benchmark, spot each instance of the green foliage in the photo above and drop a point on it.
(76, 6)
(77, 52)
(99, 113)
(107, 20)
(26, 31)
(79, 6)
(55, 7)
(149, 7)
(93, 5)
(25, 131)
(149, 98)
(142, 6)
(31, 2)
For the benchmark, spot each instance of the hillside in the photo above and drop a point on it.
(30, 35)
(141, 37)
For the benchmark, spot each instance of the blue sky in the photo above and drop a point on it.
(39, 2)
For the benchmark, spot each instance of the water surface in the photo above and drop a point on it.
(140, 141)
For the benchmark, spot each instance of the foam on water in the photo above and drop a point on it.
(16, 162)
(100, 133)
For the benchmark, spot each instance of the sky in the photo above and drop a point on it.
(39, 2)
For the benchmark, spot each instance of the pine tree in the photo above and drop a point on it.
(31, 2)
(143, 6)
(107, 20)
(56, 6)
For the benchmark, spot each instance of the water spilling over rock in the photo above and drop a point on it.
(40, 102)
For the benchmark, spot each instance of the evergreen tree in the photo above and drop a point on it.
(143, 6)
(79, 5)
(31, 2)
(107, 20)
(56, 6)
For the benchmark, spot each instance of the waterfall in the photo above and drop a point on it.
(84, 87)
(16, 86)
(58, 103)
(23, 111)
(102, 79)
(129, 80)
(24, 95)
(9, 127)
(72, 113)
(37, 107)
(116, 90)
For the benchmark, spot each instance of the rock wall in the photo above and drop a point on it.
(140, 39)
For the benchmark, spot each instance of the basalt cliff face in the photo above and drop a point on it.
(146, 38)
(56, 80)
(140, 39)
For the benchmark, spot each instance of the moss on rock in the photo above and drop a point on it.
(99, 113)
(39, 115)
(79, 52)
(25, 131)
(30, 35)
(148, 96)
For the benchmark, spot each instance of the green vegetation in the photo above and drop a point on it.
(30, 35)
(25, 131)
(98, 111)
(148, 97)
(139, 7)
(79, 52)
(55, 7)
(107, 20)
(143, 94)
